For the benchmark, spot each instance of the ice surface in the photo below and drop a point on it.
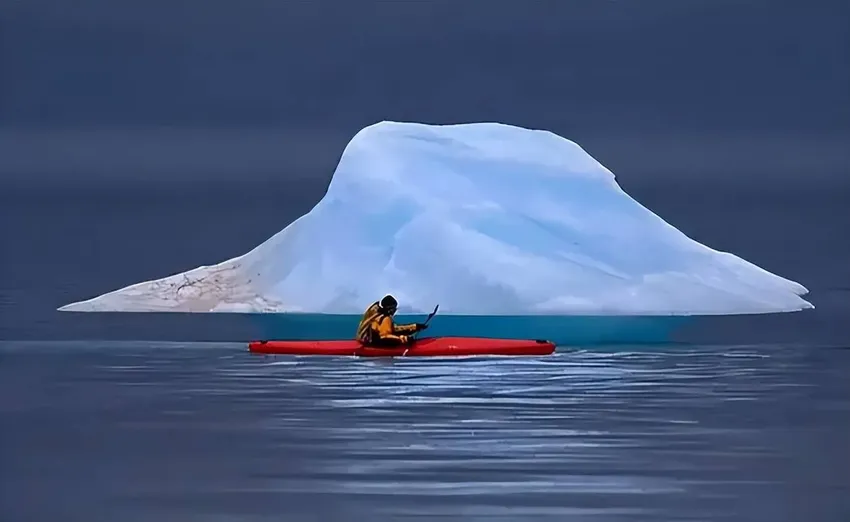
(484, 219)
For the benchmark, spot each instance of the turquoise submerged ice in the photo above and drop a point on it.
(484, 219)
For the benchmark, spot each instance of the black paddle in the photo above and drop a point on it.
(427, 320)
(430, 316)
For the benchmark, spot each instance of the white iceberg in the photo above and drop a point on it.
(484, 219)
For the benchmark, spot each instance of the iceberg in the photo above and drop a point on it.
(486, 219)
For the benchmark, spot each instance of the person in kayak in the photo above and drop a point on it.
(377, 327)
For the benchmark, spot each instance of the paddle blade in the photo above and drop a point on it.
(432, 314)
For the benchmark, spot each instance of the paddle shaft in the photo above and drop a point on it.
(430, 316)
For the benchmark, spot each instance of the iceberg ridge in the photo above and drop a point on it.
(485, 219)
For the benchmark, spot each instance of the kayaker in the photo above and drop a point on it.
(377, 327)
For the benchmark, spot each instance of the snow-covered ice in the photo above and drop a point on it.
(482, 218)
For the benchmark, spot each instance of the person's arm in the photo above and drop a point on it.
(405, 329)
(387, 330)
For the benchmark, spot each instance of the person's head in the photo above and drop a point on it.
(389, 305)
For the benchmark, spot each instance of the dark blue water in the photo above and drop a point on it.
(194, 431)
(166, 417)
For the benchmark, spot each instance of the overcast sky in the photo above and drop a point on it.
(87, 85)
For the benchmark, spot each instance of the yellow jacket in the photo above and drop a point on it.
(376, 326)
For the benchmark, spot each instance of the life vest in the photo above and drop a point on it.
(371, 317)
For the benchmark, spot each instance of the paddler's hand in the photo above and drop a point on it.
(421, 326)
(404, 339)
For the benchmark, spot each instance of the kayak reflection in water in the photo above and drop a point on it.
(377, 327)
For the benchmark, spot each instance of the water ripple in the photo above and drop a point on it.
(190, 431)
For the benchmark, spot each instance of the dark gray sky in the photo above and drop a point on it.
(87, 87)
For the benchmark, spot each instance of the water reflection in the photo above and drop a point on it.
(185, 431)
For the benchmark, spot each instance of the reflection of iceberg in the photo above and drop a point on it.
(485, 219)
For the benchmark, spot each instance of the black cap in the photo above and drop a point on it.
(389, 302)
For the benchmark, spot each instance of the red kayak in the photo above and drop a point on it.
(425, 347)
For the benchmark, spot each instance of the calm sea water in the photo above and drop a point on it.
(168, 418)
(156, 431)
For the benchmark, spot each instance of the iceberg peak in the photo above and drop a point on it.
(482, 218)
